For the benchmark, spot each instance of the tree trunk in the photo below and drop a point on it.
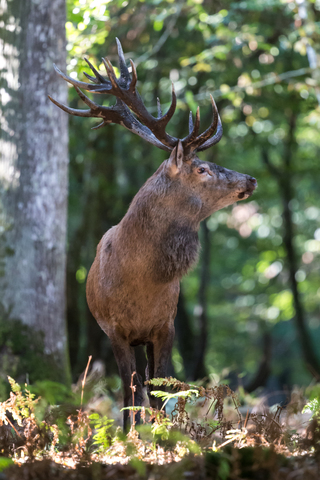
(263, 372)
(185, 337)
(193, 347)
(34, 170)
(284, 178)
(200, 370)
(307, 347)
(287, 195)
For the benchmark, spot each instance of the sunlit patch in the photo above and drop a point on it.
(245, 231)
(312, 246)
(239, 219)
(273, 270)
(307, 257)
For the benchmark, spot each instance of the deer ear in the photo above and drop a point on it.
(175, 160)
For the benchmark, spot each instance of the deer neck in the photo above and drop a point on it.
(164, 233)
(177, 252)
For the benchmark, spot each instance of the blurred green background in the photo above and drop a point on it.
(249, 312)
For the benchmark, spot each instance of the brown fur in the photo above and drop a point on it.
(133, 284)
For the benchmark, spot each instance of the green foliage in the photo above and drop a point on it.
(53, 393)
(137, 409)
(313, 405)
(22, 354)
(18, 423)
(167, 382)
(24, 400)
(165, 396)
(161, 427)
(5, 463)
(102, 438)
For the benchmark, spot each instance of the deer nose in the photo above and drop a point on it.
(253, 181)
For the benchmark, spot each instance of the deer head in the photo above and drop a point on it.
(183, 164)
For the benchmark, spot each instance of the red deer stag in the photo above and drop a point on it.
(133, 284)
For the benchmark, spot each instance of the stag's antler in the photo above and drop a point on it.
(152, 129)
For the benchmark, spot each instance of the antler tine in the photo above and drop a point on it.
(96, 88)
(75, 83)
(72, 111)
(219, 130)
(122, 62)
(111, 73)
(214, 140)
(134, 80)
(94, 107)
(196, 127)
(190, 122)
(165, 119)
(159, 108)
(94, 111)
(102, 124)
(99, 77)
(91, 78)
(187, 141)
(196, 143)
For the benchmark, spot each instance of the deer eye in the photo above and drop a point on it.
(201, 170)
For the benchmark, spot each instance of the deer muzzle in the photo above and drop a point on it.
(250, 187)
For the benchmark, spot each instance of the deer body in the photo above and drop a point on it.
(133, 284)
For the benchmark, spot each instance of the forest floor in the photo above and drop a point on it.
(248, 463)
(204, 437)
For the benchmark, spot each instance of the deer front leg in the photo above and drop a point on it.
(125, 358)
(158, 354)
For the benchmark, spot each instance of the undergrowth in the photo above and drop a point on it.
(203, 421)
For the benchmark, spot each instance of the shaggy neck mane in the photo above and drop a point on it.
(153, 217)
(179, 248)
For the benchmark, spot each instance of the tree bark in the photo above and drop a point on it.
(263, 372)
(185, 337)
(200, 370)
(34, 170)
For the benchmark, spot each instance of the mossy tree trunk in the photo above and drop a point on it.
(34, 170)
